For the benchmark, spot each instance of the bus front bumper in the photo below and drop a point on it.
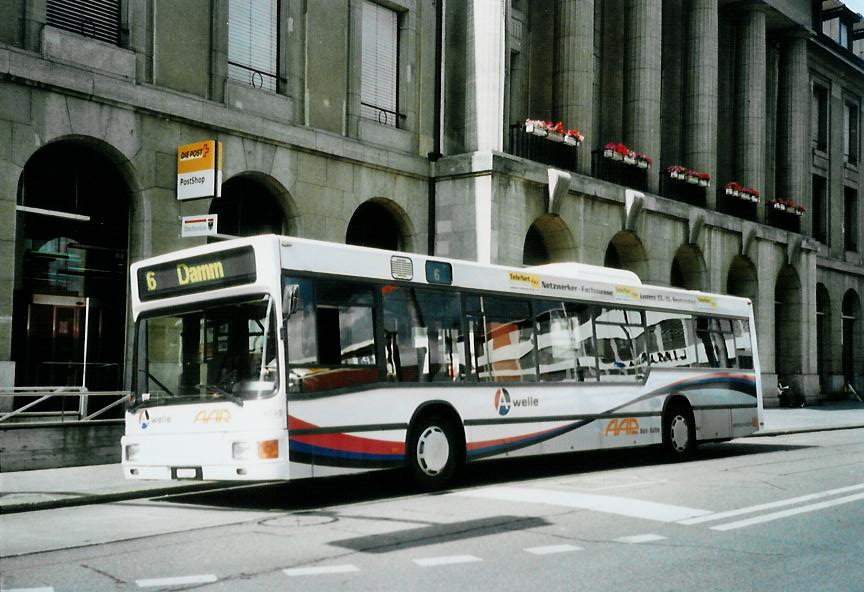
(224, 456)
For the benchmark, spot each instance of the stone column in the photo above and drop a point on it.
(484, 80)
(750, 102)
(700, 91)
(642, 70)
(793, 141)
(574, 71)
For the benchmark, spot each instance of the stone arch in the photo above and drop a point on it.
(626, 251)
(688, 269)
(787, 323)
(742, 279)
(548, 240)
(851, 336)
(823, 335)
(75, 199)
(382, 224)
(254, 203)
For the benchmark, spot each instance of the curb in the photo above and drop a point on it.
(94, 498)
(803, 430)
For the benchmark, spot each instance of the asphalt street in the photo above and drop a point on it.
(780, 513)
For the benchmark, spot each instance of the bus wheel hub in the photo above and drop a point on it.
(433, 450)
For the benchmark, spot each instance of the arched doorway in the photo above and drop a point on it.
(787, 323)
(823, 335)
(625, 251)
(72, 249)
(380, 224)
(548, 241)
(249, 206)
(742, 280)
(850, 314)
(688, 269)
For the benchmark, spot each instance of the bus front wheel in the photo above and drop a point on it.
(679, 432)
(434, 451)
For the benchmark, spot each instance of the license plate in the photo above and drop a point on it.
(187, 473)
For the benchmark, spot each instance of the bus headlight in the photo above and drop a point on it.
(240, 450)
(132, 451)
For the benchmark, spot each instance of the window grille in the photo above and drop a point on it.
(253, 42)
(378, 92)
(98, 19)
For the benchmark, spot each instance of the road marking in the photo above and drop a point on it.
(446, 560)
(771, 505)
(320, 570)
(790, 512)
(640, 538)
(177, 581)
(622, 506)
(552, 549)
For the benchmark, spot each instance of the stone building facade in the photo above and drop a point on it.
(433, 154)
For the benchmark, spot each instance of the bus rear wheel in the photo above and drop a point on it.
(679, 432)
(434, 451)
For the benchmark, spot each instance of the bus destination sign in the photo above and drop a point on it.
(197, 274)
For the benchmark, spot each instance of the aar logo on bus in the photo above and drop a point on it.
(502, 401)
(144, 419)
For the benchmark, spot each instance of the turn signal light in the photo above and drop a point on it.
(268, 449)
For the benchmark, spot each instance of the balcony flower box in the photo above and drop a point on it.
(631, 157)
(555, 132)
(735, 189)
(788, 206)
(680, 173)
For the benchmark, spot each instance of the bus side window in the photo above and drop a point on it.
(565, 347)
(743, 345)
(501, 332)
(671, 340)
(620, 345)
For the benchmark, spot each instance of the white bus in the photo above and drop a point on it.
(281, 358)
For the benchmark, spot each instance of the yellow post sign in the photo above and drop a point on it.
(199, 170)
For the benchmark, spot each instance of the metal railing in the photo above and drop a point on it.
(53, 393)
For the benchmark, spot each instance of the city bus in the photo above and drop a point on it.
(272, 357)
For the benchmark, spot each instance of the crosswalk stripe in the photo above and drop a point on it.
(622, 506)
(552, 549)
(177, 581)
(446, 560)
(640, 538)
(787, 513)
(770, 505)
(320, 570)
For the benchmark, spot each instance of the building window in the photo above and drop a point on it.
(820, 209)
(379, 73)
(850, 132)
(99, 19)
(819, 117)
(850, 219)
(253, 42)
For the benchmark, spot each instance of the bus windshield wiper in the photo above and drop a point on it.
(139, 401)
(225, 393)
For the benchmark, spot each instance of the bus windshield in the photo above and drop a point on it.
(223, 351)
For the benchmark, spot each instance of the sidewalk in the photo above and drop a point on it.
(73, 486)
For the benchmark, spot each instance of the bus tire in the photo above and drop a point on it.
(679, 432)
(434, 451)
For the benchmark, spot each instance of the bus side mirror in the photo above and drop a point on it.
(289, 300)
